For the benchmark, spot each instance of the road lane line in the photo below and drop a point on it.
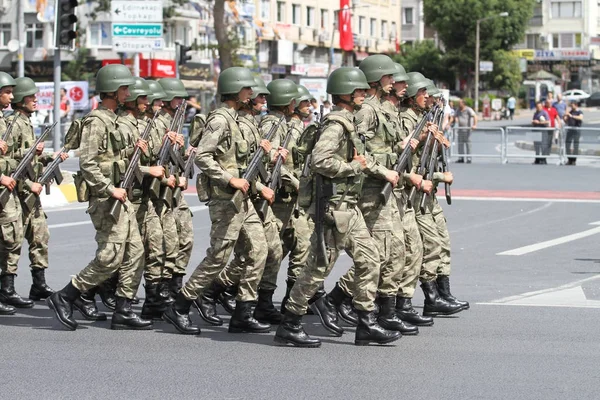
(550, 243)
(524, 199)
(518, 215)
(68, 224)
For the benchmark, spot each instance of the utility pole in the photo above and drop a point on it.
(20, 35)
(58, 127)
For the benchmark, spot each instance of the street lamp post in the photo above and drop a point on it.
(502, 14)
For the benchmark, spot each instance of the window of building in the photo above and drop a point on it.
(362, 22)
(325, 19)
(280, 11)
(296, 14)
(34, 35)
(532, 41)
(408, 15)
(566, 9)
(310, 16)
(393, 30)
(566, 40)
(5, 34)
(384, 32)
(265, 9)
(100, 34)
(373, 27)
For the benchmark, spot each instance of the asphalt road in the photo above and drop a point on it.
(531, 332)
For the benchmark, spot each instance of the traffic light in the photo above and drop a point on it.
(183, 56)
(65, 23)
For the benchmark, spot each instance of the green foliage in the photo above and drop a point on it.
(76, 70)
(426, 58)
(507, 74)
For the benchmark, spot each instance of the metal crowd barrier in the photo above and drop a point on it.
(581, 143)
(527, 143)
(485, 143)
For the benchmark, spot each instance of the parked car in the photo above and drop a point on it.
(576, 95)
(593, 100)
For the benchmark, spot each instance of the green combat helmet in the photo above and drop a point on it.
(432, 90)
(173, 87)
(156, 91)
(24, 87)
(111, 77)
(346, 80)
(234, 79)
(377, 66)
(138, 89)
(6, 80)
(415, 81)
(400, 75)
(259, 88)
(283, 92)
(303, 94)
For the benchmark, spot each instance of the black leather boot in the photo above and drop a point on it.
(318, 294)
(265, 311)
(153, 307)
(135, 300)
(434, 304)
(8, 294)
(178, 315)
(106, 291)
(290, 331)
(207, 303)
(175, 284)
(6, 309)
(406, 312)
(343, 304)
(227, 299)
(242, 320)
(125, 319)
(86, 305)
(61, 303)
(163, 292)
(328, 315)
(289, 284)
(387, 317)
(39, 290)
(369, 331)
(443, 283)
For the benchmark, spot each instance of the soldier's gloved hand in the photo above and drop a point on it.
(142, 144)
(392, 177)
(182, 182)
(448, 177)
(172, 136)
(157, 172)
(239, 184)
(36, 188)
(266, 145)
(39, 149)
(63, 156)
(180, 140)
(8, 182)
(171, 181)
(119, 194)
(360, 159)
(427, 186)
(268, 194)
(3, 147)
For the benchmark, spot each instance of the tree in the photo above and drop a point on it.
(456, 21)
(507, 73)
(426, 58)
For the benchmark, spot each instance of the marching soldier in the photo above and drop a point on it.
(11, 226)
(338, 156)
(222, 157)
(101, 154)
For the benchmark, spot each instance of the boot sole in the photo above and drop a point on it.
(284, 342)
(440, 314)
(16, 305)
(183, 332)
(242, 330)
(331, 330)
(13, 312)
(121, 327)
(213, 323)
(64, 323)
(38, 298)
(368, 342)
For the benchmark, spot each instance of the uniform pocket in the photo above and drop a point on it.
(342, 220)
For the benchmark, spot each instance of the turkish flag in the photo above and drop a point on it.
(345, 26)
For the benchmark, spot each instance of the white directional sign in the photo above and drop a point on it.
(137, 45)
(136, 11)
(138, 30)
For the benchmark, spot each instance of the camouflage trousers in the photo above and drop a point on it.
(11, 235)
(444, 235)
(37, 234)
(231, 275)
(348, 232)
(295, 237)
(152, 237)
(385, 224)
(229, 227)
(431, 245)
(116, 242)
(414, 254)
(185, 234)
(170, 238)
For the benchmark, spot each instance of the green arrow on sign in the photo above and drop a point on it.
(138, 30)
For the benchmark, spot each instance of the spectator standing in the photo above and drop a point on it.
(326, 107)
(573, 119)
(467, 121)
(193, 108)
(511, 104)
(549, 135)
(65, 106)
(541, 119)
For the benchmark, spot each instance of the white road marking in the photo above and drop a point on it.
(518, 215)
(68, 224)
(525, 199)
(550, 243)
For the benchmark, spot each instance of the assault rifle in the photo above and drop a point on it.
(8, 131)
(323, 192)
(188, 173)
(256, 166)
(445, 168)
(131, 174)
(51, 173)
(176, 167)
(24, 168)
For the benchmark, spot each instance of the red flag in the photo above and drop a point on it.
(345, 26)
